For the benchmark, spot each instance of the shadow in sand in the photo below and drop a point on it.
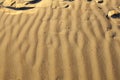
(21, 8)
(116, 15)
(34, 1)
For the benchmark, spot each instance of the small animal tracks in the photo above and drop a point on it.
(66, 3)
(99, 1)
(114, 15)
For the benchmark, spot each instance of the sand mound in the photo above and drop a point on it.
(60, 40)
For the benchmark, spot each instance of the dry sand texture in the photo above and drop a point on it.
(60, 40)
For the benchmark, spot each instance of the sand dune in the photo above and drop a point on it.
(60, 40)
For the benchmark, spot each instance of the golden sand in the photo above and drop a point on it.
(60, 40)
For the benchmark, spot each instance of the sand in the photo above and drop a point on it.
(60, 40)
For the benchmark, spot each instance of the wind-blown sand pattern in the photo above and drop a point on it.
(60, 40)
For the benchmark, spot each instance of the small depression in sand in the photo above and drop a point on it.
(23, 6)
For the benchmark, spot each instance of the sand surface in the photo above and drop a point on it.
(59, 40)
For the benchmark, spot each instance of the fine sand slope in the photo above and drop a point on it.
(60, 40)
